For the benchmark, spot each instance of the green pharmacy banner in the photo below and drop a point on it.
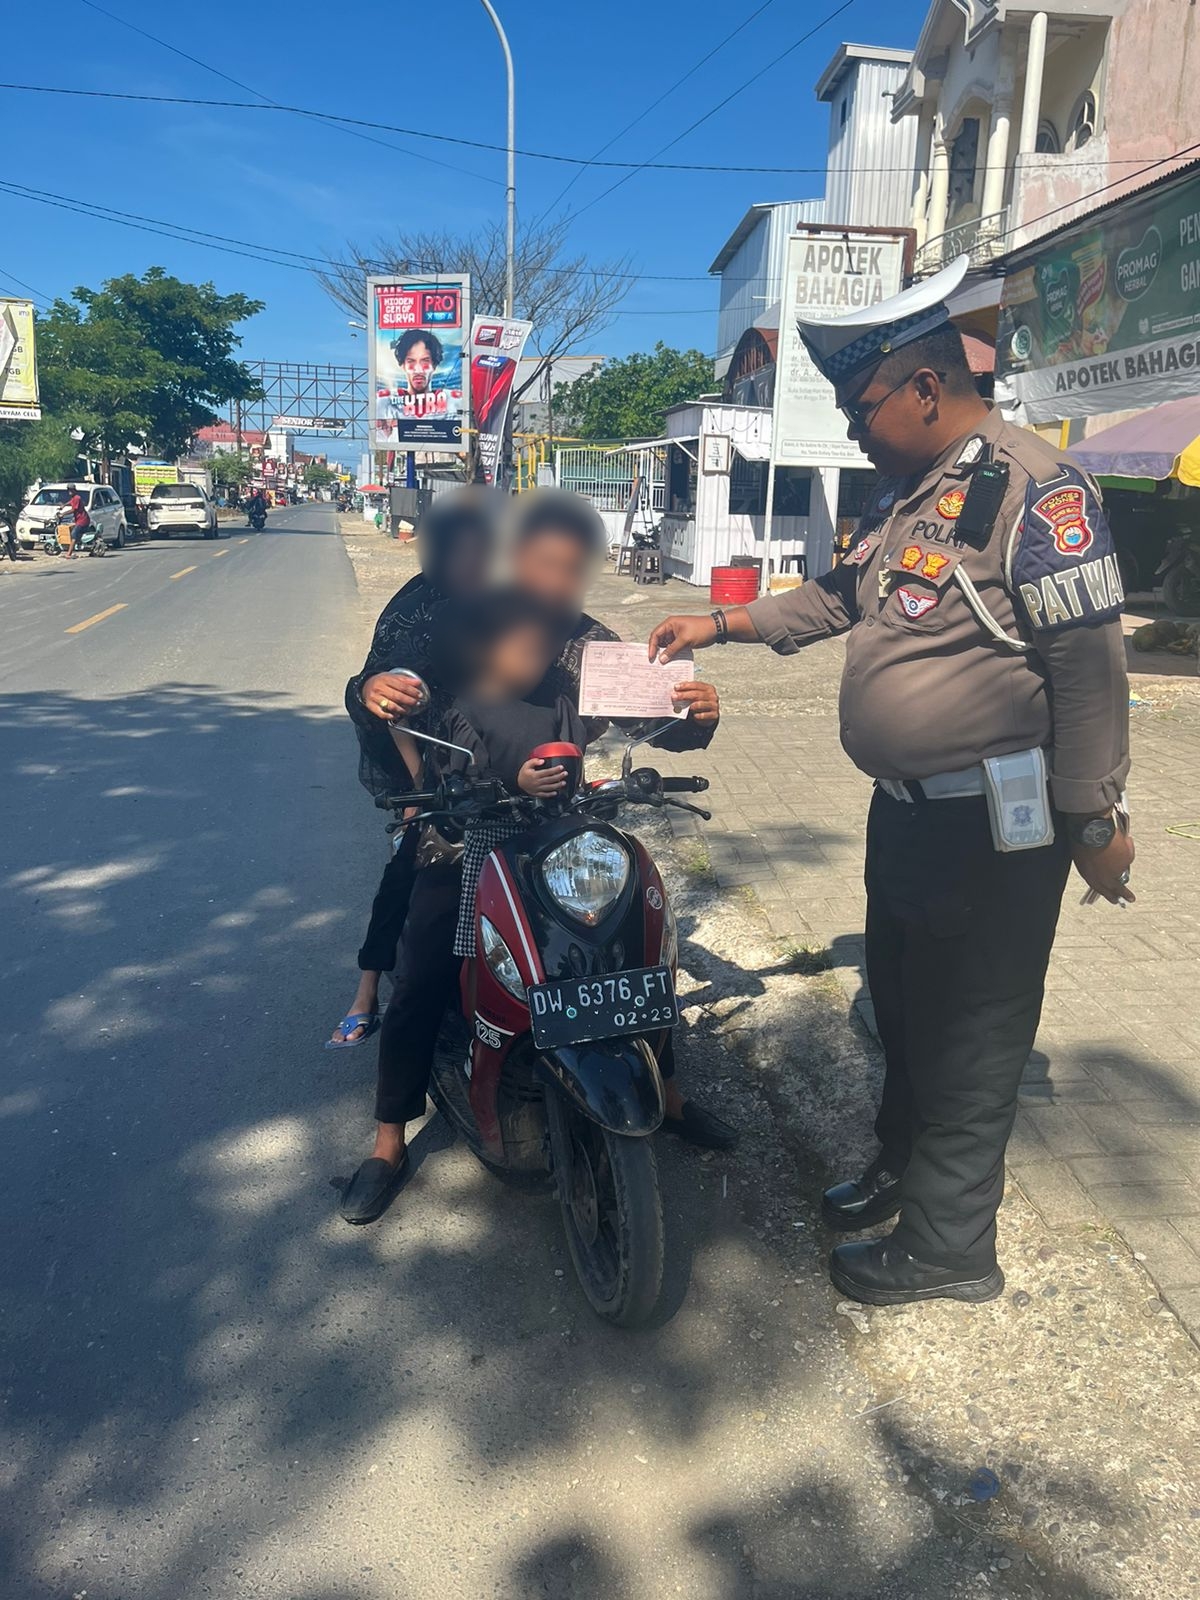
(1106, 317)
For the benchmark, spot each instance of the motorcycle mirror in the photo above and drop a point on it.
(428, 738)
(639, 739)
(413, 677)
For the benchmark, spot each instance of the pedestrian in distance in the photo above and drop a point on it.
(985, 692)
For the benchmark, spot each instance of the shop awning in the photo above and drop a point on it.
(753, 449)
(1161, 443)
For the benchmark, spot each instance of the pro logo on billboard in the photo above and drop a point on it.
(418, 383)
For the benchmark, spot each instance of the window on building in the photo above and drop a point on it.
(844, 111)
(681, 480)
(855, 489)
(964, 155)
(1083, 122)
(748, 489)
(1048, 142)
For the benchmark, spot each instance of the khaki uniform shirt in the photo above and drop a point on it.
(932, 682)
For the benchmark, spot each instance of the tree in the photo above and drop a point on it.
(626, 398)
(143, 359)
(230, 467)
(568, 301)
(29, 451)
(318, 476)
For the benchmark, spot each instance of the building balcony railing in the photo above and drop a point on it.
(982, 239)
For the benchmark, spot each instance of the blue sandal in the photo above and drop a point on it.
(368, 1021)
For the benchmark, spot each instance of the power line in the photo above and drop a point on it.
(654, 104)
(28, 287)
(272, 104)
(720, 105)
(583, 162)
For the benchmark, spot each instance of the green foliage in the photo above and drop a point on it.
(143, 358)
(28, 451)
(318, 476)
(626, 398)
(228, 467)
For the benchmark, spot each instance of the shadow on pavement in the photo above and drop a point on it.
(208, 1377)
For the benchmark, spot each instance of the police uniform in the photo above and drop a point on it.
(959, 651)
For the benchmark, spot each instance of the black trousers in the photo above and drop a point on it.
(426, 980)
(390, 907)
(958, 941)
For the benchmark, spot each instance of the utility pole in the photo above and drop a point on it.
(510, 242)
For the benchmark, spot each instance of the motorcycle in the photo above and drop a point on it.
(1179, 571)
(256, 520)
(58, 538)
(90, 541)
(550, 1063)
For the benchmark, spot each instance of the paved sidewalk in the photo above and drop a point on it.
(1108, 1134)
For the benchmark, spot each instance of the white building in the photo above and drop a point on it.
(1028, 118)
(868, 183)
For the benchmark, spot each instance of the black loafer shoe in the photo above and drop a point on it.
(880, 1273)
(701, 1127)
(370, 1191)
(862, 1202)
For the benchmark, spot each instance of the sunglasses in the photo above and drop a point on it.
(860, 414)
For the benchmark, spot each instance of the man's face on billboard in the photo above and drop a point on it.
(419, 367)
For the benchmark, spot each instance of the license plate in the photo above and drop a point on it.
(573, 1010)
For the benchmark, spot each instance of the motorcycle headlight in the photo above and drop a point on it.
(669, 954)
(500, 960)
(585, 874)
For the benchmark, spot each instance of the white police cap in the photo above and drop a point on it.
(844, 346)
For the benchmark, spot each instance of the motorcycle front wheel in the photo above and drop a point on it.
(612, 1212)
(1181, 591)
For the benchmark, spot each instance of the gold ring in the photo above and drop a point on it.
(384, 705)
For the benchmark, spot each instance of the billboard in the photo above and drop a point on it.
(18, 362)
(419, 396)
(1106, 317)
(496, 346)
(827, 275)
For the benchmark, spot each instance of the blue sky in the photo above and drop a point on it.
(583, 72)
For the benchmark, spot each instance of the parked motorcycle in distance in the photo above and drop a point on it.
(550, 1063)
(1179, 571)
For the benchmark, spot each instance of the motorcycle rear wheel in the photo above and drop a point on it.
(612, 1213)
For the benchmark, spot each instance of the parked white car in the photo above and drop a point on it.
(181, 508)
(103, 506)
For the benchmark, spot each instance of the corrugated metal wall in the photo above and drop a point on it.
(752, 280)
(868, 139)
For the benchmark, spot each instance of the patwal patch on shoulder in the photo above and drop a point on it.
(1065, 565)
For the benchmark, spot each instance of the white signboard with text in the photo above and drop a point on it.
(827, 275)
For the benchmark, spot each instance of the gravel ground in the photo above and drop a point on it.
(1043, 1445)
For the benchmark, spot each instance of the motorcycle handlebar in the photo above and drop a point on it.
(684, 785)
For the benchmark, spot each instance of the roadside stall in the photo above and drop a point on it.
(715, 495)
(1149, 467)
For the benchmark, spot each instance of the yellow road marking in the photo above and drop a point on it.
(217, 554)
(182, 573)
(243, 541)
(99, 617)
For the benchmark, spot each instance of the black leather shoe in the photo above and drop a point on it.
(370, 1191)
(862, 1202)
(880, 1273)
(705, 1128)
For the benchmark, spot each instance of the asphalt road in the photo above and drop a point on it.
(211, 1386)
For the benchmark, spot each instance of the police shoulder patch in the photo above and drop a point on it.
(1064, 566)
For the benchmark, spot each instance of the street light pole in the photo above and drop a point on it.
(510, 241)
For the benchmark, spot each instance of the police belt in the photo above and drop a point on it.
(942, 786)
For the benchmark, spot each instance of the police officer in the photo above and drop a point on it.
(984, 690)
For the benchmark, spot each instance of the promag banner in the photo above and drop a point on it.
(1106, 316)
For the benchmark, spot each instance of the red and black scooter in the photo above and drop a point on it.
(551, 1062)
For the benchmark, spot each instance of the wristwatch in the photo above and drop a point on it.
(1094, 833)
